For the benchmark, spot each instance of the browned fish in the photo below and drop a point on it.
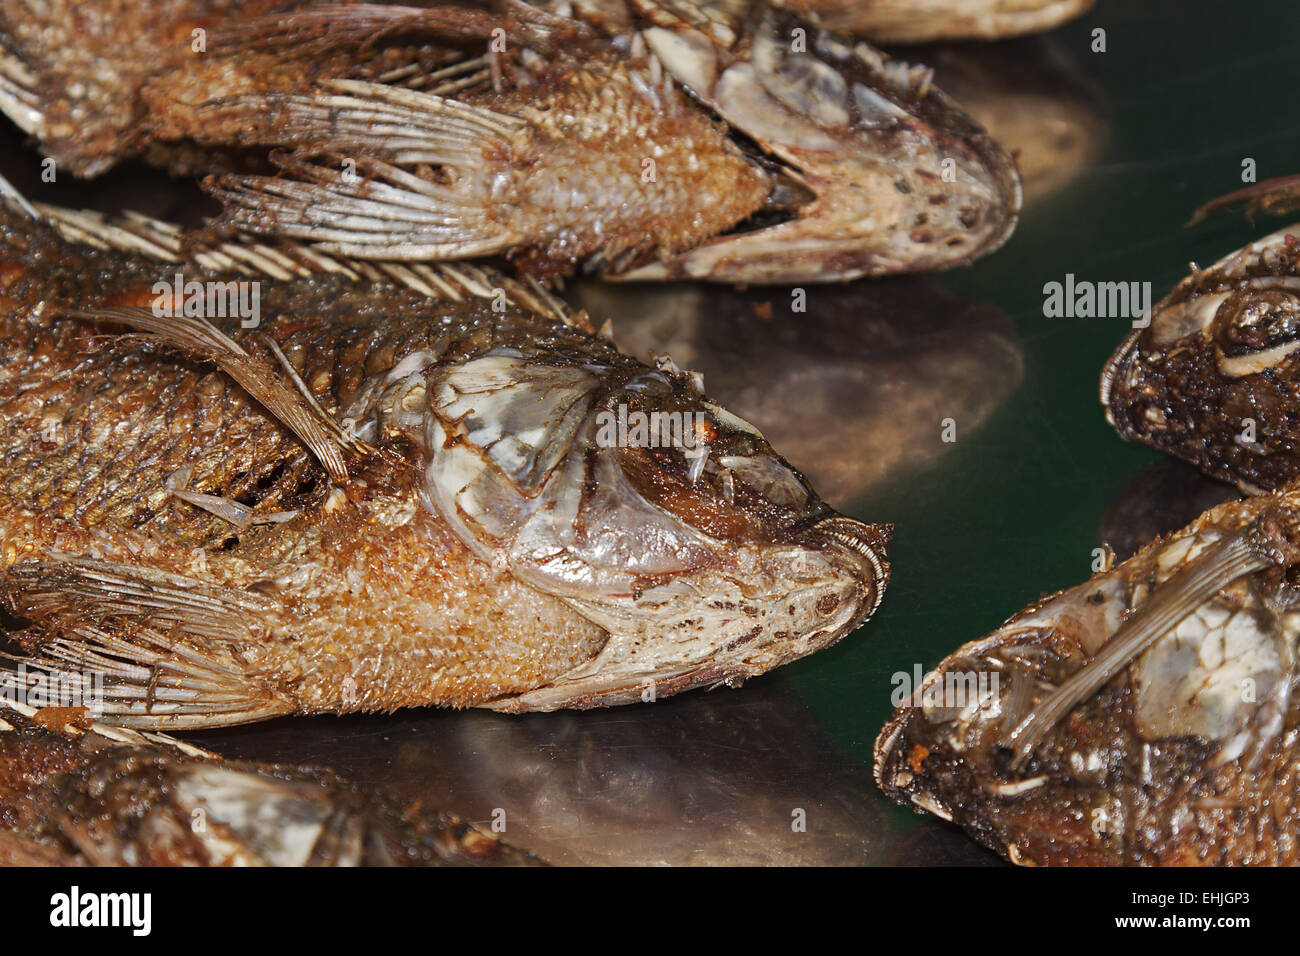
(1214, 378)
(1145, 716)
(76, 793)
(708, 140)
(377, 499)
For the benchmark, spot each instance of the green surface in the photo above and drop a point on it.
(1013, 510)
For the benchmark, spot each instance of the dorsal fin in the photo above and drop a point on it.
(294, 407)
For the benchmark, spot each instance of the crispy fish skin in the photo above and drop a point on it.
(555, 172)
(1187, 756)
(582, 144)
(483, 546)
(71, 796)
(924, 21)
(1214, 379)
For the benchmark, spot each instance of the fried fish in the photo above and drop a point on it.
(378, 498)
(710, 140)
(74, 792)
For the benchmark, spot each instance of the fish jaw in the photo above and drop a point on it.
(902, 179)
(783, 605)
(1118, 780)
(1211, 378)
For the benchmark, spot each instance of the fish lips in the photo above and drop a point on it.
(846, 557)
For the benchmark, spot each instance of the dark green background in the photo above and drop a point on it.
(1190, 90)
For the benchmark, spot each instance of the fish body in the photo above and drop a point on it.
(77, 793)
(379, 499)
(1214, 378)
(1183, 751)
(728, 142)
(1145, 717)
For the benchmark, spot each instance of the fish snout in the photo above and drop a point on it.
(1115, 377)
(903, 766)
(859, 549)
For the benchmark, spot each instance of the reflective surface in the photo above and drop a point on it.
(1011, 509)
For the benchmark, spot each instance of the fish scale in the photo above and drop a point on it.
(641, 140)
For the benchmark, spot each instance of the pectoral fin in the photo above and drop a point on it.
(350, 185)
(162, 649)
(1175, 599)
(294, 407)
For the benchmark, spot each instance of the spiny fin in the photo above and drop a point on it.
(1274, 197)
(167, 646)
(295, 408)
(403, 126)
(19, 99)
(1171, 602)
(385, 213)
(350, 189)
(721, 20)
(286, 259)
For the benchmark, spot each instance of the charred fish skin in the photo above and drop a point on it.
(73, 793)
(1187, 756)
(1213, 379)
(580, 144)
(478, 535)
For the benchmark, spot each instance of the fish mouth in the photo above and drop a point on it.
(1116, 371)
(798, 617)
(893, 774)
(889, 761)
(862, 544)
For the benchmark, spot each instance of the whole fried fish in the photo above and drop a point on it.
(564, 139)
(1143, 717)
(76, 793)
(377, 498)
(1214, 378)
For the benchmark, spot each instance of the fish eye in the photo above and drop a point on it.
(767, 477)
(1255, 320)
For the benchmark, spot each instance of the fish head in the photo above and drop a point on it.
(942, 752)
(1212, 378)
(876, 170)
(1117, 770)
(623, 490)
